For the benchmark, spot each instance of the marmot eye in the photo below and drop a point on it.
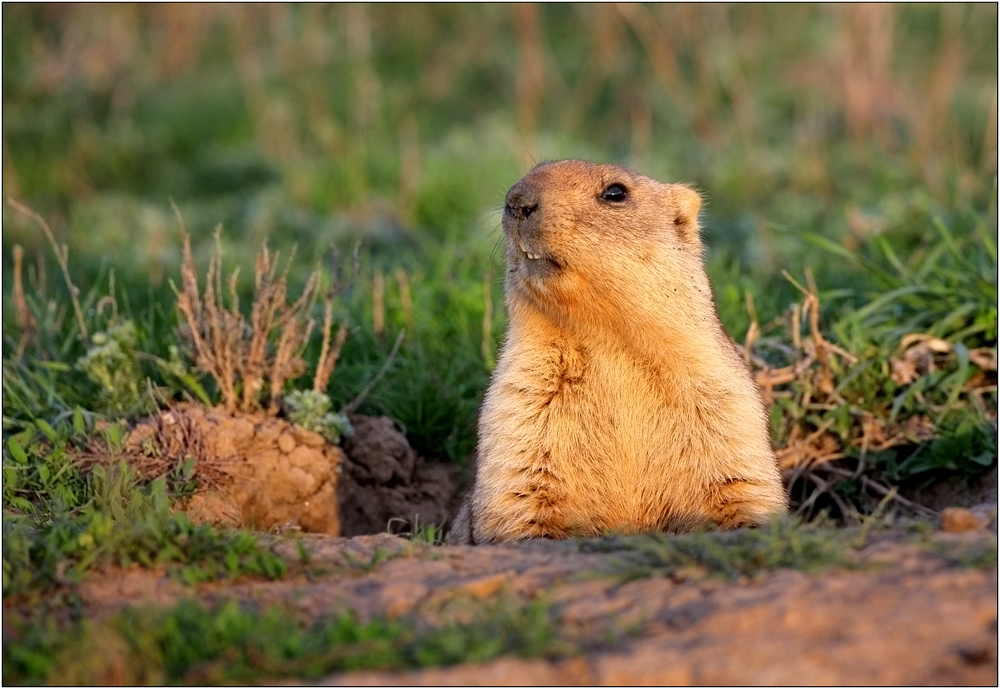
(614, 193)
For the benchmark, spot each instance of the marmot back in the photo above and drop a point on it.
(618, 403)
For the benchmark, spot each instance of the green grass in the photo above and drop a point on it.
(980, 555)
(729, 555)
(791, 544)
(864, 158)
(193, 644)
(898, 227)
(122, 524)
(896, 224)
(794, 175)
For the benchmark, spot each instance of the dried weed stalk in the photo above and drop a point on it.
(25, 320)
(328, 355)
(62, 256)
(247, 358)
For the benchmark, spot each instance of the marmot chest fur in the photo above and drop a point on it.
(618, 402)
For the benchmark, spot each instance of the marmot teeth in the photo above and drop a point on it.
(524, 250)
(608, 411)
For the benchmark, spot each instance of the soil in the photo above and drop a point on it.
(385, 486)
(904, 614)
(261, 472)
(941, 492)
(253, 470)
(907, 612)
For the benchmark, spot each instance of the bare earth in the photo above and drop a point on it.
(906, 616)
(908, 610)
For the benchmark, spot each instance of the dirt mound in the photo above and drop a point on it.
(255, 470)
(383, 479)
(262, 472)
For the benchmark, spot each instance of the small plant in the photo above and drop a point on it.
(312, 410)
(111, 363)
(424, 534)
(39, 466)
(428, 534)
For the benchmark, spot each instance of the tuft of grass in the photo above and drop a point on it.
(123, 524)
(39, 471)
(977, 554)
(730, 554)
(193, 644)
(422, 534)
(428, 534)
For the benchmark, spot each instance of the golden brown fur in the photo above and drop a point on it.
(618, 403)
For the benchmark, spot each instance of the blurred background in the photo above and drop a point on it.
(813, 132)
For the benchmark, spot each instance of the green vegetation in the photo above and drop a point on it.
(981, 554)
(807, 547)
(848, 160)
(403, 127)
(191, 644)
(732, 554)
(311, 410)
(890, 206)
(123, 524)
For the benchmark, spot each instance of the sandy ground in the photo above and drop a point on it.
(902, 614)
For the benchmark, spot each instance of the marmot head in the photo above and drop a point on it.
(599, 239)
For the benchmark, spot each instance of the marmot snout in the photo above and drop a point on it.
(522, 219)
(618, 402)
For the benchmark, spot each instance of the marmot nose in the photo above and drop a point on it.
(521, 202)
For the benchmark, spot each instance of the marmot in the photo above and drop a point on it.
(618, 403)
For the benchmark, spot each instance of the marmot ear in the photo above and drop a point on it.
(686, 205)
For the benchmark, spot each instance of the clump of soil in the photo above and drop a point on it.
(258, 471)
(384, 480)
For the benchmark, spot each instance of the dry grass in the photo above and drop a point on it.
(25, 321)
(247, 359)
(159, 447)
(62, 257)
(814, 452)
